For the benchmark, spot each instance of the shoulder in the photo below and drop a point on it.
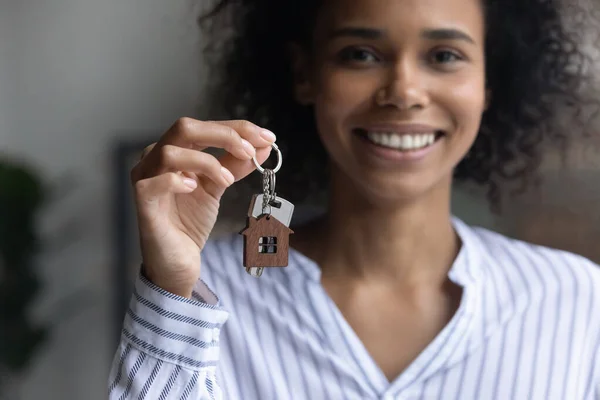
(537, 273)
(551, 294)
(511, 253)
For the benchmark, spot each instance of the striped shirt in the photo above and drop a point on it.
(527, 327)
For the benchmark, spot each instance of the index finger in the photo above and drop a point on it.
(257, 136)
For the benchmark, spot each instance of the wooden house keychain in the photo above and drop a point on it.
(267, 232)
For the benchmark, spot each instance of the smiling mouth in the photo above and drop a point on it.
(404, 142)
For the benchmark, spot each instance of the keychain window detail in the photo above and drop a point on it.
(267, 244)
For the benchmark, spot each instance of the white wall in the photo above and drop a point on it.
(7, 70)
(74, 75)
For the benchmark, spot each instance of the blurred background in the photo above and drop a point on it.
(84, 86)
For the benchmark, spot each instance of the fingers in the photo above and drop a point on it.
(178, 152)
(151, 189)
(239, 138)
(147, 150)
(259, 137)
(173, 158)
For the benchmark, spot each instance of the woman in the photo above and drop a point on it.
(387, 296)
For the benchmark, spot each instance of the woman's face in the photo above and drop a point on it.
(398, 88)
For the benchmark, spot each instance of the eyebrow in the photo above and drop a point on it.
(372, 34)
(447, 34)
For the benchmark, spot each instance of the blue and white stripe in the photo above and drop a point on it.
(528, 327)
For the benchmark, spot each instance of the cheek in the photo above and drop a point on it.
(466, 102)
(336, 100)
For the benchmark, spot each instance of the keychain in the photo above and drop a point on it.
(267, 232)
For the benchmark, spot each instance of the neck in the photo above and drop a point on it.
(394, 242)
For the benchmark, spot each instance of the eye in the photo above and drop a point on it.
(357, 55)
(445, 57)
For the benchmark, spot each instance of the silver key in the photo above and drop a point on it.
(280, 209)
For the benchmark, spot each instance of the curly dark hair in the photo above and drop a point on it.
(534, 68)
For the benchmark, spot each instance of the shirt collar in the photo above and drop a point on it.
(466, 269)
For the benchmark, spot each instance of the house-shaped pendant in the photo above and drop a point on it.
(266, 242)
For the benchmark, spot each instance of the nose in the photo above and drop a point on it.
(403, 88)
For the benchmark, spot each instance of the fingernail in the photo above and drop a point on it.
(227, 175)
(248, 148)
(268, 135)
(189, 182)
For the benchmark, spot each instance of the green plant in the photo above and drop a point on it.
(21, 197)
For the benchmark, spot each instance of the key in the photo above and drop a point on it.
(281, 209)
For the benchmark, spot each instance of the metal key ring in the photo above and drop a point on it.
(279, 160)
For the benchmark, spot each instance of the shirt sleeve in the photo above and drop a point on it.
(169, 346)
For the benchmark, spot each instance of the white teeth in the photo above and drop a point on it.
(419, 141)
(402, 142)
(395, 141)
(386, 140)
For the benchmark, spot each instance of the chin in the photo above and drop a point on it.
(394, 190)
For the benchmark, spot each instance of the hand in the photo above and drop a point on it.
(178, 188)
